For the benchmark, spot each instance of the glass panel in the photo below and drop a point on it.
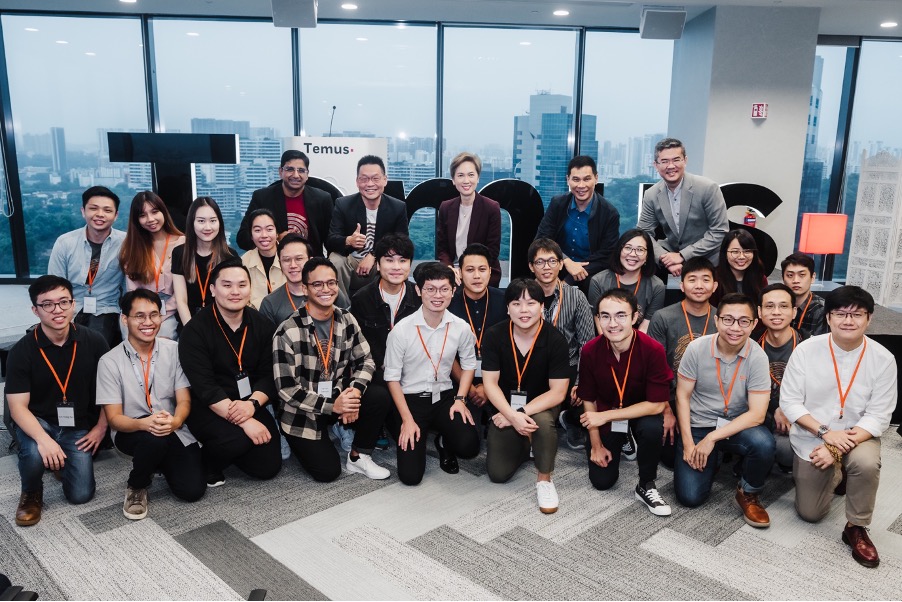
(231, 88)
(872, 192)
(627, 100)
(7, 266)
(83, 78)
(820, 143)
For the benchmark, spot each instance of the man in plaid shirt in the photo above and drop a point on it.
(322, 365)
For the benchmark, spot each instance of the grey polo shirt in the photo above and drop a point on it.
(699, 364)
(120, 380)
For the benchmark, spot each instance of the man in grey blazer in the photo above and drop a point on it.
(689, 208)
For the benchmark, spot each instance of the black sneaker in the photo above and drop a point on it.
(574, 434)
(649, 496)
(215, 479)
(628, 450)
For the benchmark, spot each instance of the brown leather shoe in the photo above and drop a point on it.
(863, 550)
(29, 511)
(752, 511)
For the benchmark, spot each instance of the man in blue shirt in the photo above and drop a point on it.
(583, 223)
(89, 258)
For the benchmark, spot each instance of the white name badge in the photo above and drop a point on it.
(518, 399)
(90, 305)
(324, 388)
(620, 426)
(478, 373)
(436, 391)
(65, 415)
(244, 385)
(839, 424)
(163, 309)
(722, 422)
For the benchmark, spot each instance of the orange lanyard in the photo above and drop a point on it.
(62, 386)
(804, 311)
(484, 316)
(532, 346)
(240, 351)
(729, 393)
(621, 389)
(157, 272)
(92, 273)
(146, 369)
(324, 357)
(638, 282)
(397, 307)
(203, 289)
(290, 300)
(794, 343)
(435, 365)
(557, 312)
(689, 326)
(842, 395)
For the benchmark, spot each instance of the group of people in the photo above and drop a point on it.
(245, 361)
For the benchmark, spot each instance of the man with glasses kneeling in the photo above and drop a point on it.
(839, 391)
(722, 394)
(50, 386)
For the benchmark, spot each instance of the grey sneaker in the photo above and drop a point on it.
(574, 434)
(135, 506)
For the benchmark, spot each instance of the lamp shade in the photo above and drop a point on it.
(823, 233)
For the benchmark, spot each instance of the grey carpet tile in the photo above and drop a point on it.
(411, 569)
(5, 440)
(243, 565)
(23, 566)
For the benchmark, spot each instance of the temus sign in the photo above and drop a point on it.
(335, 159)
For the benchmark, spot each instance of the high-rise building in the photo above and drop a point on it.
(58, 152)
(206, 125)
(814, 109)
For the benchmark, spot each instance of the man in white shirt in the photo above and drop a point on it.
(839, 391)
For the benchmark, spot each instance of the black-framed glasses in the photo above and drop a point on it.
(318, 285)
(730, 320)
(292, 170)
(63, 304)
(541, 263)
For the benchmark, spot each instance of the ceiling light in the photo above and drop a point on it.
(62, 42)
(525, 43)
(361, 39)
(349, 6)
(193, 34)
(888, 24)
(31, 29)
(90, 54)
(561, 13)
(128, 1)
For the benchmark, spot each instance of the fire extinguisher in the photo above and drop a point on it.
(750, 218)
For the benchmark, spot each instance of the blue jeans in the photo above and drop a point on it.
(78, 470)
(756, 446)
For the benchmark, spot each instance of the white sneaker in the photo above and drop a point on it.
(365, 466)
(547, 495)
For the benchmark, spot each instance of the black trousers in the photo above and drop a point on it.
(105, 324)
(225, 444)
(459, 437)
(320, 459)
(181, 465)
(648, 431)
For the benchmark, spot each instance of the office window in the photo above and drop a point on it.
(625, 112)
(239, 82)
(7, 266)
(83, 77)
(820, 142)
(873, 171)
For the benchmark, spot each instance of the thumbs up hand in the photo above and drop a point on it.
(356, 240)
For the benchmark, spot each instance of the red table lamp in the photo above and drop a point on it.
(823, 234)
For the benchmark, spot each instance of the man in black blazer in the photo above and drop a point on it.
(297, 207)
(583, 223)
(359, 221)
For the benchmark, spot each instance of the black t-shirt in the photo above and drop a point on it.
(550, 360)
(778, 357)
(96, 247)
(267, 264)
(198, 291)
(27, 372)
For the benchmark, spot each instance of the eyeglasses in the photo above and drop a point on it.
(674, 161)
(637, 251)
(856, 316)
(366, 180)
(730, 320)
(319, 284)
(773, 306)
(432, 291)
(292, 170)
(154, 317)
(50, 306)
(541, 263)
(734, 253)
(619, 317)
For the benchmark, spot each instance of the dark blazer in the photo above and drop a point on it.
(317, 202)
(485, 228)
(604, 227)
(350, 211)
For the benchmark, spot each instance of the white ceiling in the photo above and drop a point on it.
(838, 17)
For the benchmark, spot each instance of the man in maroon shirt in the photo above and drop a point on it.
(624, 382)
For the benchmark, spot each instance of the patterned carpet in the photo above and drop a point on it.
(453, 537)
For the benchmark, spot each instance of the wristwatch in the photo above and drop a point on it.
(822, 430)
(460, 398)
(255, 402)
